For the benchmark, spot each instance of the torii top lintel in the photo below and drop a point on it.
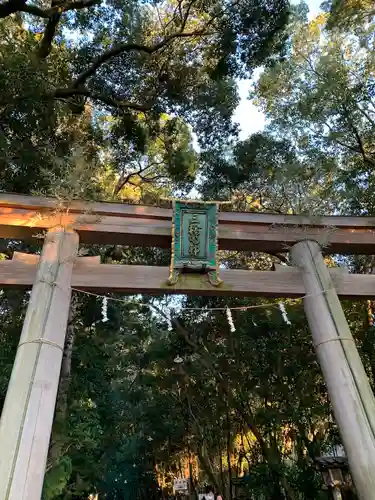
(114, 223)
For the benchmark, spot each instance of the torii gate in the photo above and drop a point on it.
(27, 416)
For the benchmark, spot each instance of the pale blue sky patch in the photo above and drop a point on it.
(249, 117)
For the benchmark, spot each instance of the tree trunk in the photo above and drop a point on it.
(230, 496)
(206, 466)
(221, 472)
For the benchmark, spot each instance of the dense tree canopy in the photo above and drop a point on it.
(134, 101)
(117, 71)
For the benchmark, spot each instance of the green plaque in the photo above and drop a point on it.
(194, 240)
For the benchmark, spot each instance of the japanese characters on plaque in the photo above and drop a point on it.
(194, 241)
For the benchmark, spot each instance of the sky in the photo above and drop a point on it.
(252, 120)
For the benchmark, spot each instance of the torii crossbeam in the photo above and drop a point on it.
(23, 217)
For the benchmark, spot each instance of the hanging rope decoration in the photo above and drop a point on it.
(169, 319)
(230, 320)
(105, 309)
(167, 311)
(284, 313)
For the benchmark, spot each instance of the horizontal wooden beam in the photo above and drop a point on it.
(105, 278)
(40, 204)
(22, 217)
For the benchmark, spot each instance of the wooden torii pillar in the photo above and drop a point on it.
(347, 383)
(27, 416)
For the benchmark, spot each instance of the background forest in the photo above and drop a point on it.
(132, 100)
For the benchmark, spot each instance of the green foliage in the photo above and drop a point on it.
(106, 100)
(346, 14)
(82, 73)
(316, 153)
(56, 479)
(13, 305)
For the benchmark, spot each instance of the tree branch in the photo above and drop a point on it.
(54, 14)
(12, 6)
(365, 114)
(125, 180)
(357, 136)
(365, 157)
(150, 180)
(35, 11)
(106, 99)
(282, 258)
(45, 46)
(334, 139)
(129, 47)
(186, 15)
(74, 5)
